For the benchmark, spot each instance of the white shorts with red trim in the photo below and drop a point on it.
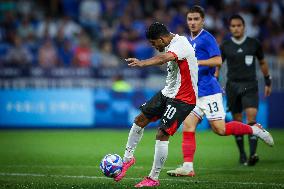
(211, 106)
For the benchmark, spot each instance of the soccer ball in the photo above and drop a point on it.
(111, 165)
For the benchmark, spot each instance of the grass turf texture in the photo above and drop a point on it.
(70, 159)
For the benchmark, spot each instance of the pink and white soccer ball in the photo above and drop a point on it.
(111, 165)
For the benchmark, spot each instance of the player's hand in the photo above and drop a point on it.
(267, 91)
(134, 62)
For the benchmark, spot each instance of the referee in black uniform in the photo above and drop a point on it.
(240, 53)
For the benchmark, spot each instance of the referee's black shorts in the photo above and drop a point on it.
(242, 95)
(172, 112)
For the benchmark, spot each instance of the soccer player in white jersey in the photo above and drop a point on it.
(209, 101)
(172, 104)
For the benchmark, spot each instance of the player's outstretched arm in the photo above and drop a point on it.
(212, 62)
(156, 60)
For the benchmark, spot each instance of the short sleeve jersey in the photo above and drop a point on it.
(206, 47)
(241, 57)
(181, 81)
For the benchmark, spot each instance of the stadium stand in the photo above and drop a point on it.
(83, 44)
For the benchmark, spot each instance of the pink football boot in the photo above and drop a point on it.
(148, 182)
(125, 167)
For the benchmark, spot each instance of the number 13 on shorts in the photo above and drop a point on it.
(211, 106)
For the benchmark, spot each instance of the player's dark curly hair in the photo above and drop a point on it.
(196, 9)
(237, 16)
(156, 30)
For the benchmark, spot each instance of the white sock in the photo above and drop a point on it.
(135, 135)
(188, 166)
(161, 154)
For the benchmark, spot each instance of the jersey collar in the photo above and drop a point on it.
(239, 41)
(172, 41)
(192, 38)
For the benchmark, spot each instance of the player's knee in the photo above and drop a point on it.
(141, 120)
(137, 120)
(219, 130)
(162, 135)
(188, 126)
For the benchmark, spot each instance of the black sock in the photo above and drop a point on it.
(240, 144)
(252, 141)
(252, 144)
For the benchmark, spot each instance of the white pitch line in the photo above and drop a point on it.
(244, 169)
(96, 177)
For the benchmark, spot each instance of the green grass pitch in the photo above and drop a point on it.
(70, 159)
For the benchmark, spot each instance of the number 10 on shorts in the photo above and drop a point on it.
(170, 112)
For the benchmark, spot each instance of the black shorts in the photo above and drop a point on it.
(241, 95)
(172, 112)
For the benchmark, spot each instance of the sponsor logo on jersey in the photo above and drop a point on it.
(239, 50)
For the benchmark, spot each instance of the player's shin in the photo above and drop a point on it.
(188, 146)
(252, 144)
(134, 137)
(252, 141)
(161, 154)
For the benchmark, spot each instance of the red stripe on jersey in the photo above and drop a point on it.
(176, 57)
(186, 92)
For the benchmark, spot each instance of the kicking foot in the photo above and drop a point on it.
(148, 182)
(125, 167)
(180, 172)
(264, 135)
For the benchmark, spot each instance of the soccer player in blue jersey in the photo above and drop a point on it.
(209, 101)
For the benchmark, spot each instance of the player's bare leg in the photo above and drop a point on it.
(218, 127)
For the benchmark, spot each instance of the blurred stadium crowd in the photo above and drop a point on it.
(101, 33)
(97, 33)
